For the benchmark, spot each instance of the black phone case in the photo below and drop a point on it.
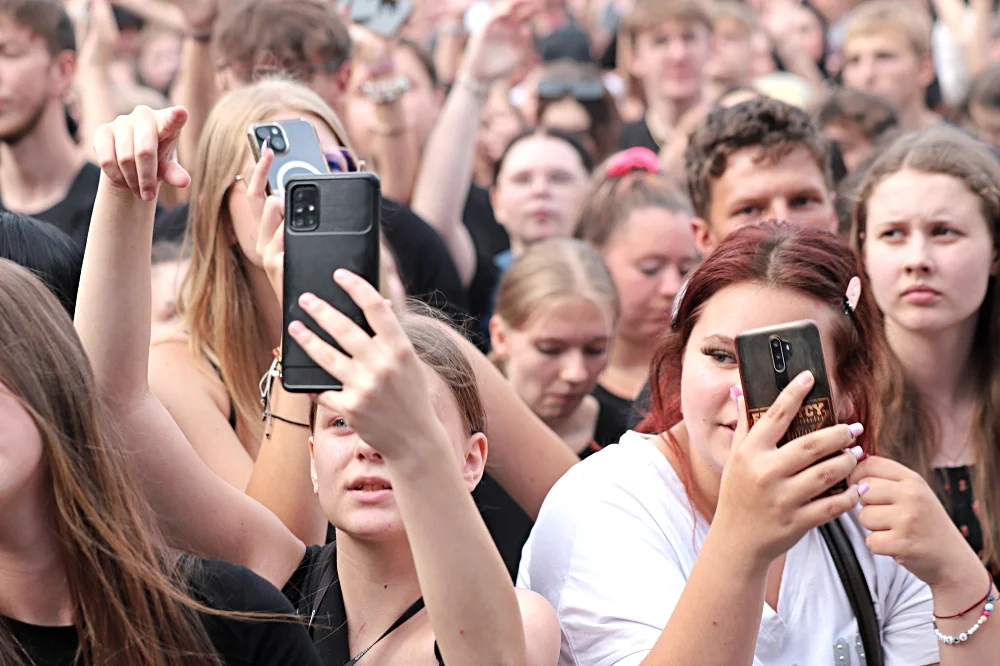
(303, 158)
(311, 257)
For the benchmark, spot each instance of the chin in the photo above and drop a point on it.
(372, 528)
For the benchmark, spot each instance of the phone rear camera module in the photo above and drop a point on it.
(277, 144)
(305, 216)
(777, 356)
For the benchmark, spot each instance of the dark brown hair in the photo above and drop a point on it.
(296, 38)
(772, 127)
(911, 435)
(46, 19)
(870, 114)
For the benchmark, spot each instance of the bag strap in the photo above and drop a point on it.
(853, 577)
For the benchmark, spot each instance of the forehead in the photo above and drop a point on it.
(542, 151)
(747, 306)
(575, 318)
(11, 30)
(750, 174)
(916, 195)
(884, 38)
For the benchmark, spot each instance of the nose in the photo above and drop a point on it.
(917, 257)
(574, 369)
(779, 210)
(866, 72)
(671, 282)
(677, 50)
(540, 186)
(364, 451)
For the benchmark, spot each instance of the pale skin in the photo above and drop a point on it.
(502, 626)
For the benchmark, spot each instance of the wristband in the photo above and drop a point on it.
(477, 88)
(386, 91)
(968, 633)
(970, 608)
(198, 36)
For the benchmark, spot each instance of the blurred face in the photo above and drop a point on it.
(20, 452)
(30, 79)
(421, 103)
(732, 53)
(499, 125)
(987, 123)
(669, 60)
(538, 189)
(159, 62)
(351, 478)
(763, 55)
(167, 278)
(806, 32)
(569, 116)
(886, 65)
(649, 257)
(709, 364)
(554, 361)
(928, 251)
(854, 145)
(792, 189)
(245, 223)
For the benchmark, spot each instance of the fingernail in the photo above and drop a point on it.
(734, 393)
(856, 430)
(805, 378)
(857, 452)
(307, 300)
(862, 489)
(342, 274)
(296, 327)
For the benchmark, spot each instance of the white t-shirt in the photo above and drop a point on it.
(616, 540)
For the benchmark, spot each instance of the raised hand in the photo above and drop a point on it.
(96, 31)
(199, 15)
(139, 151)
(500, 45)
(385, 397)
(767, 498)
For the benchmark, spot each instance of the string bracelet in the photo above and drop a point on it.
(967, 634)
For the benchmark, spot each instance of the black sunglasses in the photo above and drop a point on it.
(582, 90)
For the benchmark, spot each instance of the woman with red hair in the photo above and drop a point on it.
(699, 543)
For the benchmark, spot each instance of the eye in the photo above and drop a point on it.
(521, 178)
(549, 350)
(720, 356)
(803, 201)
(747, 211)
(650, 268)
(338, 425)
(947, 232)
(891, 234)
(595, 351)
(560, 177)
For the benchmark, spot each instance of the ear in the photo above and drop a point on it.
(343, 78)
(926, 72)
(64, 67)
(498, 339)
(702, 232)
(312, 466)
(474, 464)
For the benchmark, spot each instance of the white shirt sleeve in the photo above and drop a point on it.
(907, 634)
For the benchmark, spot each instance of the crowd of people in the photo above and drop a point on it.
(541, 453)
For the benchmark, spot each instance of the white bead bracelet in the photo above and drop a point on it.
(966, 635)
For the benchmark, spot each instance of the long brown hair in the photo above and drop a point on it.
(216, 302)
(809, 261)
(911, 434)
(130, 591)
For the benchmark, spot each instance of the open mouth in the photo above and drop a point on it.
(371, 486)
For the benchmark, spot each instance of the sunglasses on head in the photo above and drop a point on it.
(582, 90)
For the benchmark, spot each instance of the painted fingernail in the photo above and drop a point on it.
(806, 378)
(862, 489)
(857, 452)
(856, 430)
(734, 393)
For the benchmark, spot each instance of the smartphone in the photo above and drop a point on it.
(331, 221)
(383, 17)
(297, 151)
(770, 358)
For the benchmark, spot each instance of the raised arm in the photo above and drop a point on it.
(200, 512)
(96, 37)
(195, 87)
(445, 172)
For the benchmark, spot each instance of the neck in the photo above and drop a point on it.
(33, 579)
(379, 582)
(705, 479)
(37, 171)
(939, 364)
(663, 114)
(267, 302)
(917, 116)
(628, 364)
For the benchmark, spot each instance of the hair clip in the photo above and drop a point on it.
(852, 296)
(633, 159)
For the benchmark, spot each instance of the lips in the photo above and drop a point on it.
(921, 294)
(369, 485)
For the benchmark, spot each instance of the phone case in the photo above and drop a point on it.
(349, 208)
(389, 17)
(303, 155)
(802, 350)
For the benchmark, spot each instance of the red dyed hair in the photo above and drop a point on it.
(812, 262)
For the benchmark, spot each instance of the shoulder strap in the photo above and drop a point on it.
(856, 586)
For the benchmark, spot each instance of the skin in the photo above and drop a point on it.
(669, 60)
(987, 123)
(538, 190)
(159, 62)
(166, 279)
(854, 145)
(553, 361)
(886, 65)
(805, 31)
(792, 189)
(763, 56)
(732, 53)
(500, 123)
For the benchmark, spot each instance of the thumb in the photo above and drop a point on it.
(169, 122)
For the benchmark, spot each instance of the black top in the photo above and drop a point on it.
(637, 134)
(617, 416)
(239, 642)
(489, 239)
(956, 484)
(329, 623)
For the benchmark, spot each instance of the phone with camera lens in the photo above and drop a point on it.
(383, 17)
(331, 221)
(770, 358)
(297, 151)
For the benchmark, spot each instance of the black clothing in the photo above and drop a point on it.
(617, 416)
(637, 134)
(322, 604)
(956, 485)
(220, 586)
(506, 521)
(489, 239)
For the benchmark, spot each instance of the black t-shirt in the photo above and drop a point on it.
(617, 416)
(956, 485)
(637, 134)
(506, 521)
(425, 265)
(489, 239)
(239, 642)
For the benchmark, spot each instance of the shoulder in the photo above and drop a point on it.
(541, 628)
(230, 587)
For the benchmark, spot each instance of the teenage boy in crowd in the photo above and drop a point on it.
(305, 39)
(887, 51)
(669, 43)
(43, 172)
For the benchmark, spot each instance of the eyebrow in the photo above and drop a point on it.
(720, 339)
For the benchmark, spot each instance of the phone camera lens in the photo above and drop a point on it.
(277, 144)
(263, 133)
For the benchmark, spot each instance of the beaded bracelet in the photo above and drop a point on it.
(966, 635)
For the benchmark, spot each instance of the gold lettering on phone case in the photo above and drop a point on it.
(812, 416)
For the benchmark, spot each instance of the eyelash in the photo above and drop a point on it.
(715, 353)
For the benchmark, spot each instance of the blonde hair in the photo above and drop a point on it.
(891, 17)
(552, 271)
(649, 15)
(216, 302)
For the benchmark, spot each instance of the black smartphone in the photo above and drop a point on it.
(769, 358)
(331, 221)
(383, 17)
(297, 151)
